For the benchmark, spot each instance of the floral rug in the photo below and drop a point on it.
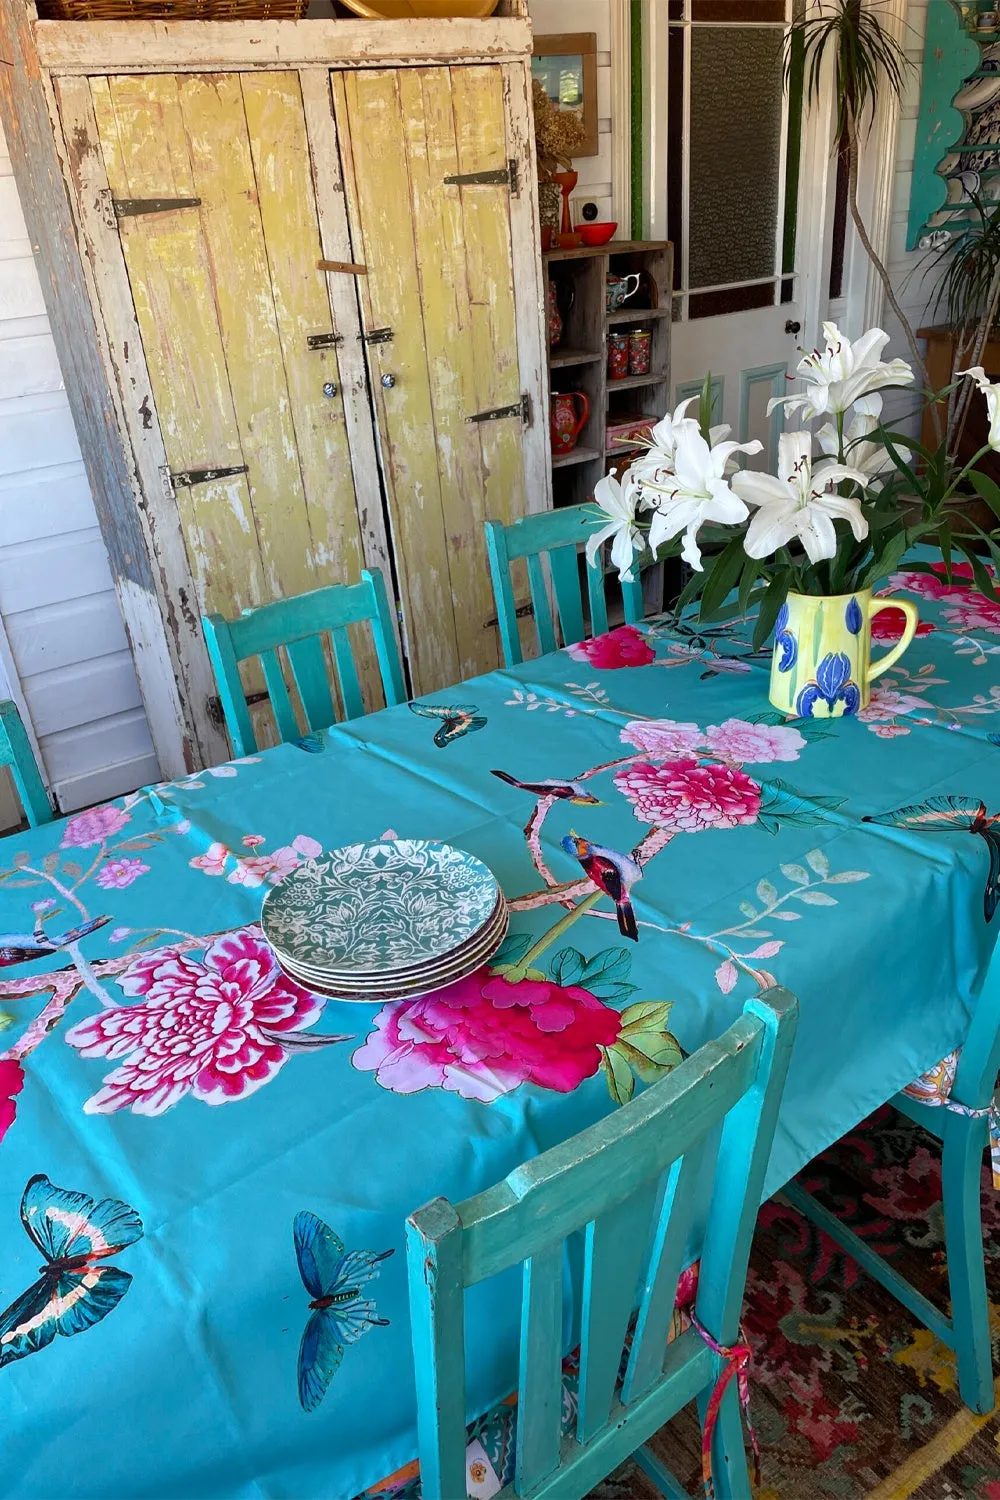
(850, 1396)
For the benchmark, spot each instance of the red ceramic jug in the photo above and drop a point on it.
(565, 424)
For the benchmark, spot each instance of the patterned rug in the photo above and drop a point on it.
(850, 1396)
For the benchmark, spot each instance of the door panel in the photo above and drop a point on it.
(439, 275)
(225, 295)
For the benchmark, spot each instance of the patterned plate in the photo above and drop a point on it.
(398, 978)
(437, 979)
(371, 908)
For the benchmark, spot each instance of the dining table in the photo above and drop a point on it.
(172, 1104)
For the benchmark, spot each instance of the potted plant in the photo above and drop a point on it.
(558, 133)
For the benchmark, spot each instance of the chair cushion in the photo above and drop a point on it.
(934, 1088)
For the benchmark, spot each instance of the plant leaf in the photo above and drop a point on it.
(797, 874)
(767, 892)
(817, 860)
(621, 1083)
(726, 976)
(774, 598)
(567, 966)
(646, 1013)
(844, 877)
(766, 950)
(817, 898)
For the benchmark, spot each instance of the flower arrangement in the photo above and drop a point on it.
(559, 133)
(849, 497)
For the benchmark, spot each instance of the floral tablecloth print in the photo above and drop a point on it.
(206, 1168)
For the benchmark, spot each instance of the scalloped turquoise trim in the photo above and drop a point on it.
(950, 55)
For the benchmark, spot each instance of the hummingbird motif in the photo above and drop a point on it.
(948, 814)
(23, 947)
(455, 720)
(573, 792)
(613, 873)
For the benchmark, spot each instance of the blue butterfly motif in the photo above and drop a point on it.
(831, 685)
(947, 814)
(334, 1278)
(457, 719)
(314, 743)
(76, 1289)
(853, 618)
(785, 641)
(994, 739)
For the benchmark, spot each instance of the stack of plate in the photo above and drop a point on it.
(386, 920)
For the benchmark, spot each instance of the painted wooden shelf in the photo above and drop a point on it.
(577, 456)
(635, 314)
(637, 382)
(567, 357)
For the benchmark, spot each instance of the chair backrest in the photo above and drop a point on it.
(16, 752)
(559, 534)
(296, 627)
(630, 1183)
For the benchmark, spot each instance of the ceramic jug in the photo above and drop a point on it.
(565, 424)
(822, 666)
(619, 288)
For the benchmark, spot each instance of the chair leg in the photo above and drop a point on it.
(661, 1476)
(730, 1475)
(961, 1168)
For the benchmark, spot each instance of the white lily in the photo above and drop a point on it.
(841, 373)
(662, 442)
(991, 390)
(872, 459)
(695, 491)
(618, 502)
(799, 502)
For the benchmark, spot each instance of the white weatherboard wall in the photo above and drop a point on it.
(68, 665)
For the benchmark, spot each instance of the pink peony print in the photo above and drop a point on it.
(118, 873)
(213, 1028)
(888, 624)
(94, 826)
(255, 869)
(624, 647)
(11, 1084)
(886, 704)
(688, 797)
(663, 737)
(971, 613)
(213, 861)
(484, 1037)
(736, 741)
(934, 585)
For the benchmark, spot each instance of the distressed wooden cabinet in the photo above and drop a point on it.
(311, 255)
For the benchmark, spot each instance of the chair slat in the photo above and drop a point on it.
(16, 752)
(635, 607)
(595, 596)
(385, 640)
(565, 571)
(503, 592)
(539, 1395)
(309, 670)
(277, 691)
(615, 1249)
(540, 602)
(437, 1331)
(350, 687)
(656, 1306)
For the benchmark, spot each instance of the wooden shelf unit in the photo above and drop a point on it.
(579, 360)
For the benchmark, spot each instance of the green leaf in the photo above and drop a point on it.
(653, 1057)
(751, 572)
(766, 892)
(606, 975)
(796, 874)
(514, 946)
(567, 966)
(722, 578)
(816, 898)
(817, 860)
(749, 911)
(705, 407)
(782, 804)
(846, 877)
(506, 970)
(982, 579)
(774, 598)
(646, 1013)
(988, 489)
(621, 1083)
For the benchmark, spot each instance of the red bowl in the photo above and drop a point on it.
(596, 234)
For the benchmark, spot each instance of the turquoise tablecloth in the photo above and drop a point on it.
(168, 1066)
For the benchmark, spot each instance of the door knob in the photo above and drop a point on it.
(329, 389)
(791, 326)
(388, 381)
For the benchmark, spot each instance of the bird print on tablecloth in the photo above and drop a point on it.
(613, 873)
(949, 814)
(23, 947)
(573, 792)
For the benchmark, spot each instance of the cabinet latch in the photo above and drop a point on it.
(114, 209)
(520, 409)
(377, 336)
(504, 177)
(187, 477)
(324, 340)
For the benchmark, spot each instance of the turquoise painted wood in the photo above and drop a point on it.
(297, 626)
(950, 56)
(607, 1181)
(557, 535)
(16, 752)
(963, 1140)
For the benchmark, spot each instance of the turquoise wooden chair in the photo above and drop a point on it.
(964, 1134)
(558, 534)
(297, 627)
(16, 752)
(631, 1183)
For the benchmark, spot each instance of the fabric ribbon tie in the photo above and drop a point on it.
(737, 1363)
(934, 1087)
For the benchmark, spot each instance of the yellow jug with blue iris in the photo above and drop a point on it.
(822, 664)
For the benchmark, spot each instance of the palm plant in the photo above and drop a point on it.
(968, 292)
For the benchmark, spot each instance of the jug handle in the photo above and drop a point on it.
(585, 400)
(909, 631)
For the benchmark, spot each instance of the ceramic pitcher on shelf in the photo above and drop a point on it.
(564, 422)
(822, 665)
(619, 289)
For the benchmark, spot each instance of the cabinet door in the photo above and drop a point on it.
(440, 278)
(227, 294)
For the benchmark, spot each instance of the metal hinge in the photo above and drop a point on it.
(114, 209)
(324, 340)
(187, 477)
(507, 177)
(520, 409)
(377, 336)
